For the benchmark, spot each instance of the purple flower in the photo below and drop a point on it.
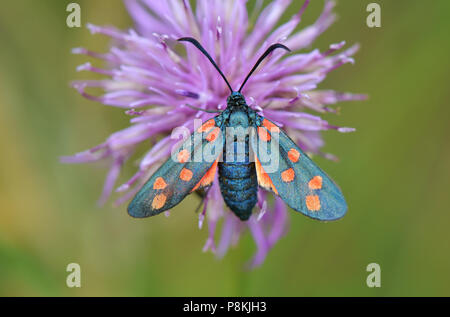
(148, 76)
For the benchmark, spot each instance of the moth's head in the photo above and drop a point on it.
(236, 99)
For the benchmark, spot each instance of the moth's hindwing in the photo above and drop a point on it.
(192, 167)
(295, 178)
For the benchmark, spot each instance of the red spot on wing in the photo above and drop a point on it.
(263, 178)
(212, 136)
(288, 175)
(186, 175)
(263, 134)
(159, 183)
(293, 155)
(315, 182)
(183, 156)
(312, 202)
(208, 125)
(159, 201)
(271, 127)
(208, 178)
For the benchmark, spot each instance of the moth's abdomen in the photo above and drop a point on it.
(238, 182)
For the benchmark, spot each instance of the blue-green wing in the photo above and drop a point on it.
(192, 167)
(296, 179)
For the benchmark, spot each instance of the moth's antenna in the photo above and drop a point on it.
(200, 47)
(204, 110)
(267, 52)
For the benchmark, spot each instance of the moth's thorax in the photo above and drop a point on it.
(239, 119)
(237, 113)
(236, 100)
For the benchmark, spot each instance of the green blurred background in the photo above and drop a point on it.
(394, 170)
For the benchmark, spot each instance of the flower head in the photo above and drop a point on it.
(160, 82)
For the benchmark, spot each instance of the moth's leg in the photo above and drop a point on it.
(202, 193)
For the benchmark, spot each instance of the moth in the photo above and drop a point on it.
(244, 161)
